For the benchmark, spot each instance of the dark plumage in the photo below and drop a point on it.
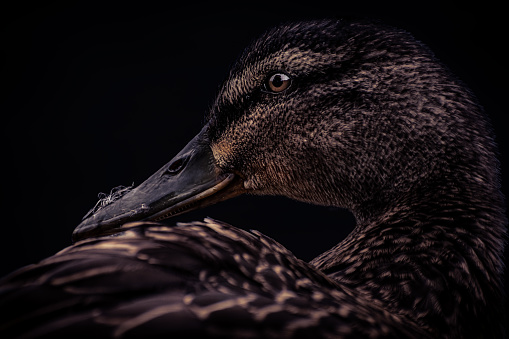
(339, 113)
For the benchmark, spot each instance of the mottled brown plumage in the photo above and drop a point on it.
(198, 279)
(368, 120)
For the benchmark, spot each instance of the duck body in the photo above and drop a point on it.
(348, 114)
(199, 279)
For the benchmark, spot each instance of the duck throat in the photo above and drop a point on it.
(435, 260)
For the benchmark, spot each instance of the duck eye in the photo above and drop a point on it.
(278, 82)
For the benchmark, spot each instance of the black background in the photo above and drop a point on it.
(98, 96)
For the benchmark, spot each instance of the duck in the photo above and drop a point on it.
(333, 112)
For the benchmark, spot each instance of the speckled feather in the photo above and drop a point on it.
(372, 122)
(144, 283)
(396, 138)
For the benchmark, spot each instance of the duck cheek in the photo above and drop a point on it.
(222, 152)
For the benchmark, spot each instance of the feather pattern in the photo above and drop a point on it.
(372, 122)
(143, 282)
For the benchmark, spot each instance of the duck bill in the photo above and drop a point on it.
(191, 180)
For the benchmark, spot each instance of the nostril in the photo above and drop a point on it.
(176, 166)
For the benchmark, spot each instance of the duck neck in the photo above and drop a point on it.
(433, 258)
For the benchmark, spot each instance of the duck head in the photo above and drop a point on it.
(331, 112)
